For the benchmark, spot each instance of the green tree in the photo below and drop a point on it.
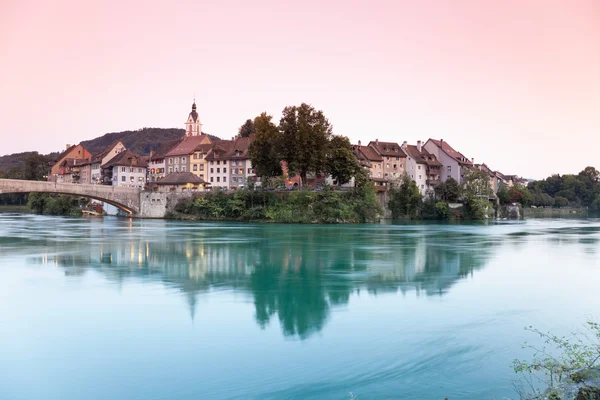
(305, 138)
(247, 128)
(405, 198)
(448, 191)
(561, 202)
(477, 184)
(264, 149)
(341, 163)
(36, 167)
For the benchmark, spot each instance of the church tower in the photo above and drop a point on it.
(193, 127)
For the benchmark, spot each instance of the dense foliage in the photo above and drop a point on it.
(326, 206)
(247, 128)
(43, 203)
(405, 199)
(581, 190)
(304, 140)
(140, 141)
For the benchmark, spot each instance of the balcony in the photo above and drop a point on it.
(433, 182)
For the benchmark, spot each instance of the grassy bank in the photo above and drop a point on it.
(550, 212)
(14, 209)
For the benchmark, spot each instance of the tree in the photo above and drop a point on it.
(448, 191)
(405, 198)
(36, 167)
(305, 138)
(247, 128)
(477, 184)
(264, 149)
(341, 163)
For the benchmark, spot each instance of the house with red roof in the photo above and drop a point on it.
(393, 159)
(422, 167)
(454, 163)
(75, 152)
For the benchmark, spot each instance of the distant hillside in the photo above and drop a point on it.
(141, 141)
(16, 161)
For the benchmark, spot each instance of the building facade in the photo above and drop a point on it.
(393, 159)
(127, 169)
(454, 163)
(75, 152)
(422, 167)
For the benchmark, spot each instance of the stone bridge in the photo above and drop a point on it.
(125, 198)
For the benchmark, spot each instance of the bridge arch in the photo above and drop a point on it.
(124, 198)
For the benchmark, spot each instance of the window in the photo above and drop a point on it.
(397, 158)
(202, 176)
(141, 171)
(195, 167)
(449, 168)
(183, 160)
(218, 162)
(122, 169)
(249, 170)
(422, 186)
(176, 169)
(224, 170)
(140, 179)
(224, 162)
(224, 179)
(395, 166)
(195, 156)
(218, 170)
(211, 178)
(212, 170)
(218, 179)
(420, 176)
(170, 169)
(123, 178)
(387, 165)
(131, 169)
(131, 179)
(183, 168)
(388, 159)
(234, 179)
(211, 163)
(419, 167)
(201, 167)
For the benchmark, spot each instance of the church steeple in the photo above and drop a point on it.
(193, 127)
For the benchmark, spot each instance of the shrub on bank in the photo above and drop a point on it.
(326, 206)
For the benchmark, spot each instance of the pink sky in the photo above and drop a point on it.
(512, 83)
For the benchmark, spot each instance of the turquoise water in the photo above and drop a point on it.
(150, 309)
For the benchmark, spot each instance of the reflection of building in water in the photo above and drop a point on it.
(294, 276)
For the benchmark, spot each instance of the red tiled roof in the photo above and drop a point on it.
(456, 155)
(126, 158)
(422, 157)
(387, 149)
(370, 154)
(240, 148)
(164, 148)
(223, 147)
(186, 146)
(179, 178)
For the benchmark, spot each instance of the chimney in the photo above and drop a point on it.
(404, 144)
(442, 143)
(376, 142)
(472, 161)
(68, 145)
(419, 145)
(359, 143)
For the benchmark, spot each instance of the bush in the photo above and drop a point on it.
(561, 202)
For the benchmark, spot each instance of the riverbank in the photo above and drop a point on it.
(14, 209)
(550, 212)
(299, 207)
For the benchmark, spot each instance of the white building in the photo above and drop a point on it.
(217, 163)
(422, 167)
(128, 169)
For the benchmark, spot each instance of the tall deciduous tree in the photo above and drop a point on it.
(341, 163)
(36, 167)
(264, 150)
(247, 128)
(405, 198)
(305, 138)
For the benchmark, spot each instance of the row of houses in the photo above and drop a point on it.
(198, 162)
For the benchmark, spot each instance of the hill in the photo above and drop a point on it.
(140, 141)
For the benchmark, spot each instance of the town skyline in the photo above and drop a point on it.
(505, 83)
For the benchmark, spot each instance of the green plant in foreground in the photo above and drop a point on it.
(559, 359)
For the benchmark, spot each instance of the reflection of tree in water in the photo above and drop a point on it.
(297, 273)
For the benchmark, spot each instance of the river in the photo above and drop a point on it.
(153, 309)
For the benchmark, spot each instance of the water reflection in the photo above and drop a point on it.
(295, 274)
